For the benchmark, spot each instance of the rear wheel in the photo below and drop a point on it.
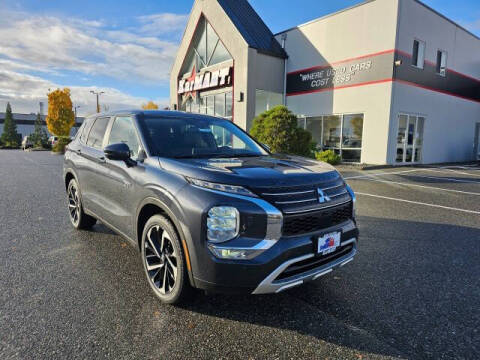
(163, 261)
(78, 218)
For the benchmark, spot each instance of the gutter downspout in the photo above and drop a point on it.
(284, 39)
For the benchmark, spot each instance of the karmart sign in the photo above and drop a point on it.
(205, 80)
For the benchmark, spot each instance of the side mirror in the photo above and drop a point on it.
(118, 151)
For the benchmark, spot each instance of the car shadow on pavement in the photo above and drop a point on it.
(412, 291)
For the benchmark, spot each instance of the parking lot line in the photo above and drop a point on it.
(422, 186)
(382, 173)
(418, 203)
(445, 170)
(447, 179)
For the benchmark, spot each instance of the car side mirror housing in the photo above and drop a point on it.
(118, 151)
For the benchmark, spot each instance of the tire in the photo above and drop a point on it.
(164, 262)
(78, 218)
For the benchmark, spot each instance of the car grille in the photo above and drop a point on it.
(302, 209)
(314, 221)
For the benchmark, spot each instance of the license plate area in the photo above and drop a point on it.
(328, 243)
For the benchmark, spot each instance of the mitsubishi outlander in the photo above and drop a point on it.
(207, 206)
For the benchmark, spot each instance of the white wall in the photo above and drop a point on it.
(450, 121)
(365, 29)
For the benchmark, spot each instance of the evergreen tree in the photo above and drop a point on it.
(10, 137)
(39, 138)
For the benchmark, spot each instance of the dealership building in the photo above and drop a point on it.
(382, 82)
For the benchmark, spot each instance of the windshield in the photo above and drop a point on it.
(198, 137)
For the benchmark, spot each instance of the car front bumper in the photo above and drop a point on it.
(291, 262)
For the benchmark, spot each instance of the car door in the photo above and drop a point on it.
(120, 184)
(94, 169)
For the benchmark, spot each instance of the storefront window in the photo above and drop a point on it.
(228, 105)
(220, 105)
(314, 125)
(215, 105)
(331, 132)
(340, 133)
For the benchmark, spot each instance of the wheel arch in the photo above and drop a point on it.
(152, 206)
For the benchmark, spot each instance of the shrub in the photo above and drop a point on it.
(39, 138)
(328, 156)
(59, 147)
(278, 129)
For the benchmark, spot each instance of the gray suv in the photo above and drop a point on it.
(207, 206)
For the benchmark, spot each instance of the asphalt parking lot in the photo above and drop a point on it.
(412, 292)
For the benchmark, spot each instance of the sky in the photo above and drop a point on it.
(126, 48)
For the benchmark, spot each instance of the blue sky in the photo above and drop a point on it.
(126, 48)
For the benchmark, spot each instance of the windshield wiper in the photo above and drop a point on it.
(195, 156)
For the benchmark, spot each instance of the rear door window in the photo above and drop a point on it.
(97, 133)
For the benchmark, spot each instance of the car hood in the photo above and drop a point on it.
(259, 171)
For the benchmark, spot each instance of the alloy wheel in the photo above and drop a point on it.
(73, 204)
(161, 259)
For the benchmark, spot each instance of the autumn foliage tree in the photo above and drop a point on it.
(60, 118)
(150, 106)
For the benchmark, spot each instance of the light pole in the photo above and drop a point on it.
(76, 107)
(97, 93)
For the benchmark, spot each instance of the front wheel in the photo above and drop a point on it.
(163, 261)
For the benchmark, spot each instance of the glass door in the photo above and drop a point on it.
(409, 138)
(402, 127)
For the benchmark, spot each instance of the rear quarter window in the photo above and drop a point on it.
(85, 129)
(97, 133)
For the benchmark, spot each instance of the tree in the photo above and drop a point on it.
(10, 137)
(150, 106)
(61, 117)
(278, 128)
(39, 138)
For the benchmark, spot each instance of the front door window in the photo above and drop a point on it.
(410, 138)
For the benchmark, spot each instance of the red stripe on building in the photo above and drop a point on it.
(435, 90)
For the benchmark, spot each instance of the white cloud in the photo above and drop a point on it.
(35, 47)
(157, 24)
(50, 43)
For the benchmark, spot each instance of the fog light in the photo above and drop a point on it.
(223, 223)
(229, 253)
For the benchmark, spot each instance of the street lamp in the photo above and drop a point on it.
(75, 108)
(97, 93)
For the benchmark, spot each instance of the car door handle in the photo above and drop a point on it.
(79, 152)
(101, 159)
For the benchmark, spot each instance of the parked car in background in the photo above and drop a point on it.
(26, 142)
(208, 206)
(53, 140)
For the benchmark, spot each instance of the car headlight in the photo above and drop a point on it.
(354, 198)
(234, 189)
(223, 223)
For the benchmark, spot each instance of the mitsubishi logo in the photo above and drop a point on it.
(322, 197)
